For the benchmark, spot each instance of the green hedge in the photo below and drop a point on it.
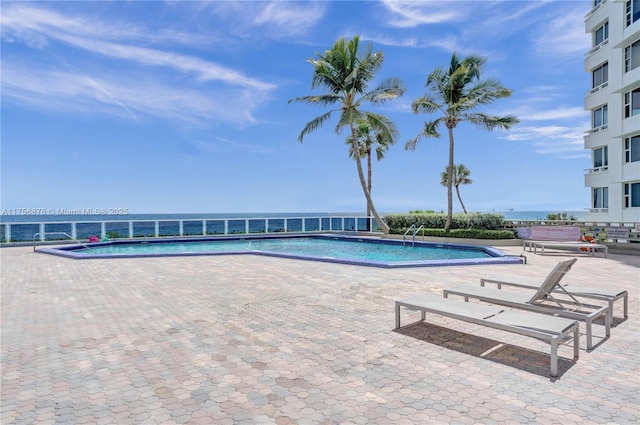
(488, 221)
(472, 226)
(463, 233)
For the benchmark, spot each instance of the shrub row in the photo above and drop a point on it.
(462, 233)
(477, 221)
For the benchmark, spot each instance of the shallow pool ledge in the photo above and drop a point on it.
(459, 241)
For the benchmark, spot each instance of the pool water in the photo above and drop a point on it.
(351, 250)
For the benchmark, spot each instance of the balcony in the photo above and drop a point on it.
(596, 48)
(596, 129)
(631, 124)
(596, 170)
(596, 5)
(594, 178)
(597, 88)
(599, 210)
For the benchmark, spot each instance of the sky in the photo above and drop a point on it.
(182, 107)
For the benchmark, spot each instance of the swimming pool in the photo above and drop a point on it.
(328, 248)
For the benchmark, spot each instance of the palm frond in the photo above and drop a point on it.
(321, 99)
(313, 125)
(410, 145)
(348, 117)
(431, 128)
(388, 89)
(385, 129)
(425, 104)
(491, 122)
(430, 131)
(485, 92)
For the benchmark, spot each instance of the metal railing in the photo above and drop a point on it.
(597, 129)
(413, 236)
(56, 233)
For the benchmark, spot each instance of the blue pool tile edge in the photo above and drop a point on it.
(496, 256)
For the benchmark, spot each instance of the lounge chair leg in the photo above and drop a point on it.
(397, 316)
(626, 306)
(589, 338)
(610, 314)
(576, 342)
(554, 357)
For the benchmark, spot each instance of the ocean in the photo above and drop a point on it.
(23, 227)
(35, 217)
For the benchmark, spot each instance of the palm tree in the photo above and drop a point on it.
(346, 75)
(367, 139)
(460, 176)
(456, 93)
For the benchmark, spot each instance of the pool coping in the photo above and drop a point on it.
(496, 256)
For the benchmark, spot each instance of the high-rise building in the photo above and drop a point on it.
(614, 104)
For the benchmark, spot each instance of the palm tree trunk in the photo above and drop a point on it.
(363, 182)
(369, 180)
(447, 225)
(460, 199)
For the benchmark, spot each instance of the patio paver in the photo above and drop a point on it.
(261, 340)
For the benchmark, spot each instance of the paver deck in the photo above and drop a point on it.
(260, 340)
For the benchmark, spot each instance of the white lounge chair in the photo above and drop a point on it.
(541, 301)
(554, 330)
(609, 295)
(586, 247)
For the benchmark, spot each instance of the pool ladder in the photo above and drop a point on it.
(56, 233)
(413, 236)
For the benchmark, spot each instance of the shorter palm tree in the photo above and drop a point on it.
(460, 175)
(368, 138)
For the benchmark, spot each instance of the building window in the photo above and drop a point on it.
(601, 34)
(632, 11)
(600, 117)
(632, 56)
(632, 149)
(600, 197)
(600, 75)
(632, 103)
(601, 157)
(632, 195)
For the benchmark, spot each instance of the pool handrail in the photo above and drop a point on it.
(413, 237)
(57, 233)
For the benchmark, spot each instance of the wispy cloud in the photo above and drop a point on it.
(116, 95)
(563, 36)
(560, 113)
(557, 140)
(91, 36)
(557, 131)
(274, 19)
(409, 14)
(208, 91)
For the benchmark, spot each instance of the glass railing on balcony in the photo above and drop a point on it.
(598, 88)
(596, 48)
(596, 170)
(596, 5)
(597, 129)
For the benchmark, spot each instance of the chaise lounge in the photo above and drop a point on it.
(596, 293)
(586, 247)
(541, 301)
(553, 330)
